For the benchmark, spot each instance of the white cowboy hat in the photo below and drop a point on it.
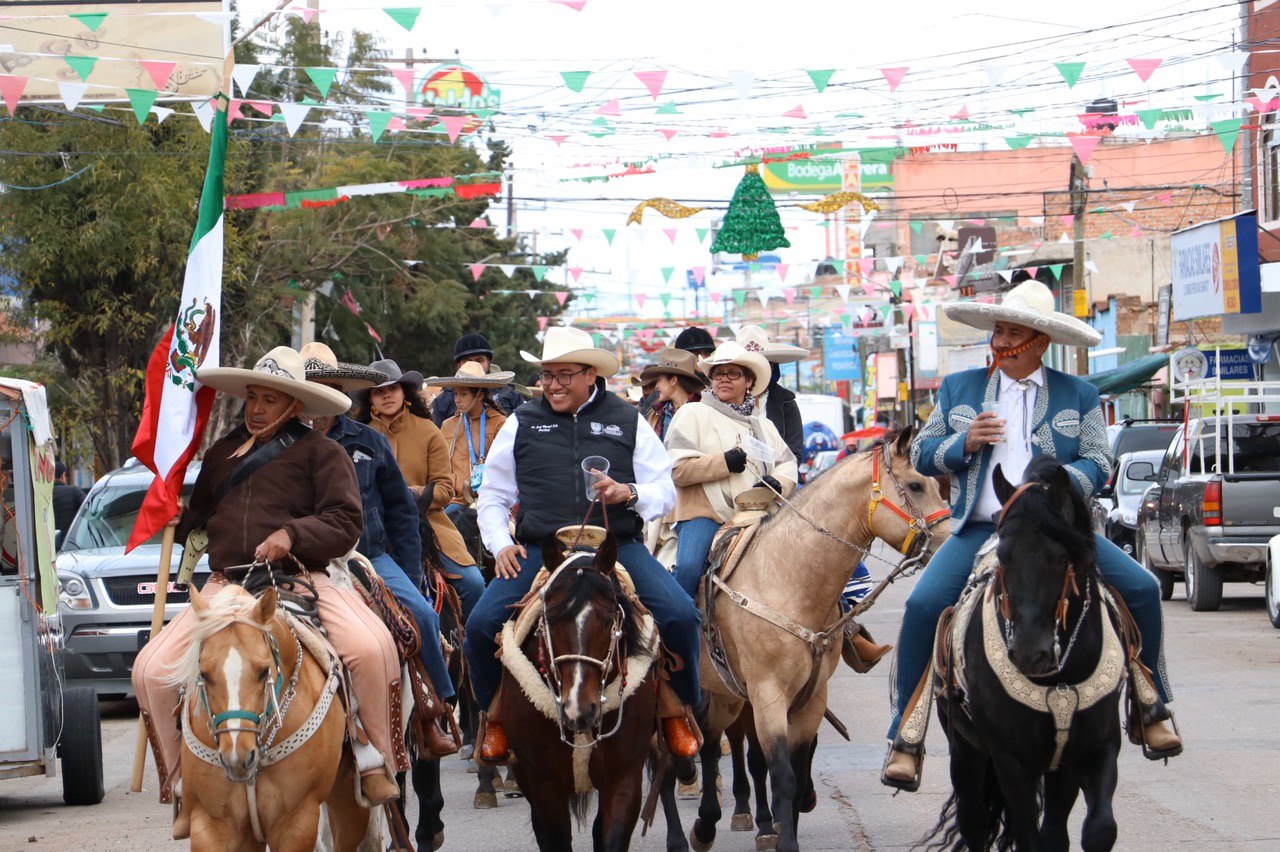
(753, 338)
(1029, 304)
(322, 365)
(731, 352)
(563, 345)
(472, 375)
(280, 369)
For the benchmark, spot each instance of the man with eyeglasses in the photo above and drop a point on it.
(535, 463)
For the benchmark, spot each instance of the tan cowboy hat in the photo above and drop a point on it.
(731, 352)
(672, 362)
(322, 365)
(563, 345)
(280, 369)
(753, 338)
(472, 375)
(1029, 304)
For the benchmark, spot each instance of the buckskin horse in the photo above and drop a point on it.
(1029, 666)
(263, 732)
(579, 697)
(776, 624)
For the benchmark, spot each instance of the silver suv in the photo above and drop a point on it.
(107, 596)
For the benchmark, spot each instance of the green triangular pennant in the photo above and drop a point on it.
(405, 16)
(815, 292)
(1070, 71)
(820, 78)
(702, 234)
(1056, 270)
(666, 300)
(378, 122)
(1149, 117)
(1206, 98)
(917, 226)
(740, 296)
(1017, 142)
(920, 259)
(1227, 130)
(595, 339)
(1105, 236)
(609, 234)
(575, 80)
(669, 108)
(896, 287)
(142, 101)
(82, 65)
(845, 319)
(322, 78)
(666, 273)
(1022, 113)
(539, 272)
(92, 20)
(589, 297)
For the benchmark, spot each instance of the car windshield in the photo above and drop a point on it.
(1147, 436)
(108, 515)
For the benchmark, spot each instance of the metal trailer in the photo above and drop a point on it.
(42, 722)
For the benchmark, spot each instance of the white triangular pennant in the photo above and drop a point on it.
(161, 113)
(243, 76)
(995, 73)
(508, 269)
(72, 93)
(893, 264)
(946, 224)
(204, 113)
(742, 81)
(294, 114)
(843, 290)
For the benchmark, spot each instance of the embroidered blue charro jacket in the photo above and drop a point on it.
(1066, 423)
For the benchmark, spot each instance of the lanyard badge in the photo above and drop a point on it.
(477, 464)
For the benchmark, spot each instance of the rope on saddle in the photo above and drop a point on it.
(293, 591)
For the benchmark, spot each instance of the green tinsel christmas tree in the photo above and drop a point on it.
(751, 224)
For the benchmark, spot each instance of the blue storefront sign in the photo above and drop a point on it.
(840, 355)
(1235, 363)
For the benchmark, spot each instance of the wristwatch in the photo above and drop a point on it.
(631, 501)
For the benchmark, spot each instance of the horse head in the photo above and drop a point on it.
(1045, 546)
(907, 510)
(238, 679)
(584, 631)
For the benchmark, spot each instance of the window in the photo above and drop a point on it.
(1269, 182)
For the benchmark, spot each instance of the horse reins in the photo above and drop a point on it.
(915, 521)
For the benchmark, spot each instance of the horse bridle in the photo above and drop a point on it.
(548, 662)
(1070, 588)
(920, 526)
(277, 696)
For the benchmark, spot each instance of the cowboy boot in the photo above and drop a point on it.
(494, 750)
(1162, 740)
(181, 818)
(439, 742)
(902, 770)
(682, 734)
(859, 651)
(378, 789)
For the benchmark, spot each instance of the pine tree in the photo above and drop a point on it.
(752, 224)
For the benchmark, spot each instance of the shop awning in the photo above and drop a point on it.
(1132, 375)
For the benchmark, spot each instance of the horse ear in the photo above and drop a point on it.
(1061, 492)
(607, 555)
(552, 555)
(1003, 489)
(198, 604)
(265, 610)
(902, 444)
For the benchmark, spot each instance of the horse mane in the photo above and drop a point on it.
(584, 587)
(1043, 514)
(231, 606)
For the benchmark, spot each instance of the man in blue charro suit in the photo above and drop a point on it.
(1040, 410)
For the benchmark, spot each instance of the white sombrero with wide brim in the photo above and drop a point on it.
(280, 369)
(731, 352)
(1029, 304)
(563, 345)
(753, 338)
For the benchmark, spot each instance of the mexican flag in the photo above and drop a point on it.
(177, 406)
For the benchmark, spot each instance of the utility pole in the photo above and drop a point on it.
(1077, 292)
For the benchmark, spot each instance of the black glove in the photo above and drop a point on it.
(736, 460)
(770, 482)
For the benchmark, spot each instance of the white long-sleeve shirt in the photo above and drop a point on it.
(655, 491)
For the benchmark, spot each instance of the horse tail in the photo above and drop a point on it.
(945, 833)
(580, 807)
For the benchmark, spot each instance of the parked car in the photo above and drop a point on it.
(108, 596)
(1115, 507)
(1130, 436)
(821, 461)
(1215, 506)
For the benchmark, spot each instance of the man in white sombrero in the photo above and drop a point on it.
(276, 493)
(1040, 410)
(536, 463)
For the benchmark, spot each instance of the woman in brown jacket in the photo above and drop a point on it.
(394, 409)
(470, 432)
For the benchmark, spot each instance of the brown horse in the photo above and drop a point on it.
(775, 617)
(579, 699)
(250, 686)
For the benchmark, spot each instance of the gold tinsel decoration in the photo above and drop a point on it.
(837, 200)
(665, 206)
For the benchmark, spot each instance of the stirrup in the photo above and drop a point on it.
(909, 786)
(1162, 754)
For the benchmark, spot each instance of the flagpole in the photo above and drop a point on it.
(157, 624)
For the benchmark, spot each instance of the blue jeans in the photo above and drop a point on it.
(693, 543)
(469, 585)
(452, 510)
(412, 599)
(944, 578)
(673, 611)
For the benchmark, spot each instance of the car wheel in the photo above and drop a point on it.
(81, 748)
(1273, 594)
(1204, 584)
(1164, 578)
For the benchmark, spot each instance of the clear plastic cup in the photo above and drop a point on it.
(593, 465)
(1001, 411)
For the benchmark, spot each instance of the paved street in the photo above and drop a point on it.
(1220, 795)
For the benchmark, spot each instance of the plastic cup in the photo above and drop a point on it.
(1001, 411)
(593, 465)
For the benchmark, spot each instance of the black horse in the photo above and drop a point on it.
(1050, 609)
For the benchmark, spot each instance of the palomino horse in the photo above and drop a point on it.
(263, 733)
(1030, 665)
(779, 619)
(579, 698)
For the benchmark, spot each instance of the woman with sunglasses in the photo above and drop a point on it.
(720, 446)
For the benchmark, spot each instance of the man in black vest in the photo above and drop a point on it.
(535, 463)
